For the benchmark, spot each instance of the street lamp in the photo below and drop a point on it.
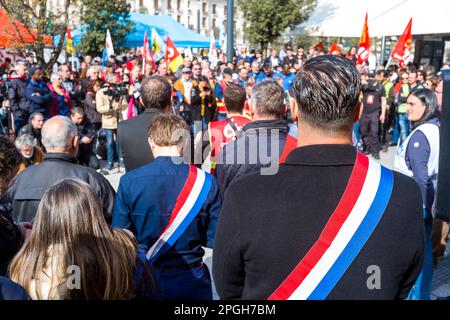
(230, 30)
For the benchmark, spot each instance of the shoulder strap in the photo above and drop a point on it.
(187, 206)
(350, 226)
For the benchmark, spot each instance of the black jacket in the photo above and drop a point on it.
(31, 184)
(10, 236)
(236, 158)
(18, 103)
(269, 223)
(90, 108)
(133, 139)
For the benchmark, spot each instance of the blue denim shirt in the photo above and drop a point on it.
(144, 203)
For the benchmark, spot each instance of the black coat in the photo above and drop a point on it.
(10, 236)
(31, 184)
(133, 139)
(18, 103)
(233, 162)
(90, 108)
(269, 223)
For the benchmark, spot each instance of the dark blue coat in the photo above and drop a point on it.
(11, 291)
(39, 97)
(144, 203)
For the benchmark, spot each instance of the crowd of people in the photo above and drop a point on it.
(274, 138)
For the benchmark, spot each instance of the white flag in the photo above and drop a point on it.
(109, 45)
(158, 46)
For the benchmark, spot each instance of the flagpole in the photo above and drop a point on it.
(388, 63)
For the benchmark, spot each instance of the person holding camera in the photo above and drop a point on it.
(18, 103)
(111, 102)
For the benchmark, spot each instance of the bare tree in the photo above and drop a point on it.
(37, 16)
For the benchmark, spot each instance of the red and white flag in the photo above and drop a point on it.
(364, 43)
(402, 51)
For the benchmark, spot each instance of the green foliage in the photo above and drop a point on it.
(101, 15)
(267, 19)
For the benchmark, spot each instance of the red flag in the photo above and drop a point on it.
(364, 43)
(334, 50)
(402, 51)
(147, 54)
(172, 56)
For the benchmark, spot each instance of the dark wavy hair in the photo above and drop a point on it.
(429, 100)
(10, 159)
(327, 91)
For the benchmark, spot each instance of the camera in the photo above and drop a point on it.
(116, 91)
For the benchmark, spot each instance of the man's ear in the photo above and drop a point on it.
(140, 100)
(150, 143)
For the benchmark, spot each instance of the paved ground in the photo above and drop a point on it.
(441, 278)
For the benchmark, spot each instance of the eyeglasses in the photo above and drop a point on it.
(405, 78)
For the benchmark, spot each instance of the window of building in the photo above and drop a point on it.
(204, 22)
(169, 4)
(214, 23)
(204, 7)
(178, 18)
(178, 4)
(189, 4)
(214, 8)
(156, 4)
(225, 10)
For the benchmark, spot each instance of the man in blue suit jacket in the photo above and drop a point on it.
(146, 201)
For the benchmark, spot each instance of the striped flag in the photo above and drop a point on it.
(69, 42)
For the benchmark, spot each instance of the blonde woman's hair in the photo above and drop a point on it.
(70, 218)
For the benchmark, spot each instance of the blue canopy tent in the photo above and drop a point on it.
(164, 25)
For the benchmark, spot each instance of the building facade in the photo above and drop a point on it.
(208, 17)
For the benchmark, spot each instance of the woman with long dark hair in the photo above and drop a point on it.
(418, 157)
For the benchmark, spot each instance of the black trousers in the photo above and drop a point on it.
(87, 157)
(369, 127)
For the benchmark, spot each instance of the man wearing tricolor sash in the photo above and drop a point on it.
(331, 223)
(172, 209)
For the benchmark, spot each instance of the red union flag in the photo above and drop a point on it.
(364, 43)
(334, 50)
(172, 56)
(402, 51)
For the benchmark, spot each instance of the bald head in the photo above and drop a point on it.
(60, 135)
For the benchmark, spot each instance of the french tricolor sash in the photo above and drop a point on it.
(357, 215)
(187, 206)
